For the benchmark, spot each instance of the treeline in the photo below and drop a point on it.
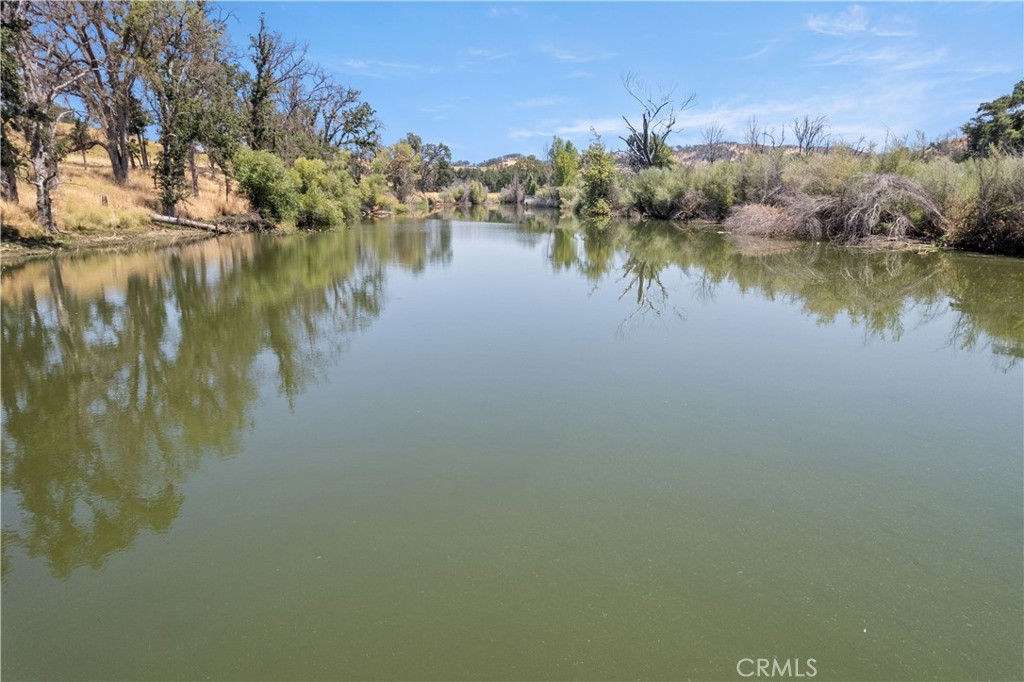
(970, 198)
(83, 74)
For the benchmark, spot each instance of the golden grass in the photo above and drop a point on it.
(78, 201)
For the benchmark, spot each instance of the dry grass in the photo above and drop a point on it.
(79, 207)
(753, 219)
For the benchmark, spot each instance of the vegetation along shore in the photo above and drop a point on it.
(115, 113)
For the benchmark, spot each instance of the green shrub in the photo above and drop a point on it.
(686, 192)
(477, 193)
(373, 193)
(993, 216)
(823, 174)
(569, 197)
(327, 194)
(267, 184)
(600, 187)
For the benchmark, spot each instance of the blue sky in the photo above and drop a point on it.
(495, 78)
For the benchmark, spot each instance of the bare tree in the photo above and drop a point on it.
(646, 142)
(47, 75)
(97, 37)
(810, 133)
(713, 148)
(761, 138)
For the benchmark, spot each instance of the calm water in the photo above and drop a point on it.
(453, 449)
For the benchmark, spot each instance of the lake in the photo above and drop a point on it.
(512, 447)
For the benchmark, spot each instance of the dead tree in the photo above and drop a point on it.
(713, 148)
(646, 143)
(761, 139)
(810, 133)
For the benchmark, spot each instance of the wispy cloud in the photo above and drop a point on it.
(502, 11)
(566, 56)
(374, 68)
(538, 102)
(851, 22)
(891, 57)
(855, 21)
(765, 49)
(578, 127)
(579, 73)
(485, 54)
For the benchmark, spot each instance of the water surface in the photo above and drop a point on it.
(454, 449)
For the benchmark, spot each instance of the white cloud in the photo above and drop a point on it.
(578, 127)
(765, 49)
(855, 21)
(538, 102)
(374, 68)
(852, 21)
(485, 54)
(891, 58)
(565, 56)
(500, 12)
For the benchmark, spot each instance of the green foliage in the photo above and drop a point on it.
(326, 193)
(436, 170)
(600, 188)
(477, 193)
(181, 51)
(400, 165)
(684, 192)
(991, 197)
(823, 174)
(373, 193)
(565, 162)
(268, 185)
(999, 124)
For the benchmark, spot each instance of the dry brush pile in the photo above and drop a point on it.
(869, 206)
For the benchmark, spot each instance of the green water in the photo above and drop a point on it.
(454, 449)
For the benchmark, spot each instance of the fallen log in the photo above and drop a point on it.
(182, 222)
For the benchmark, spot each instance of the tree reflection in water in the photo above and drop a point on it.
(877, 290)
(115, 389)
(122, 373)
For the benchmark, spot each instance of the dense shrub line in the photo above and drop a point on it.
(841, 195)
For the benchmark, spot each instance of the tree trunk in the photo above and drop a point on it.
(193, 170)
(44, 163)
(145, 156)
(117, 147)
(9, 185)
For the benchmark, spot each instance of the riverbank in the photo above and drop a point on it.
(15, 249)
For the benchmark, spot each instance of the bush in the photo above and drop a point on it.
(992, 220)
(326, 194)
(823, 174)
(760, 178)
(373, 193)
(685, 192)
(600, 189)
(477, 193)
(569, 197)
(267, 184)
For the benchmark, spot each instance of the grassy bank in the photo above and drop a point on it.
(93, 211)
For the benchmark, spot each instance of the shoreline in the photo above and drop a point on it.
(17, 250)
